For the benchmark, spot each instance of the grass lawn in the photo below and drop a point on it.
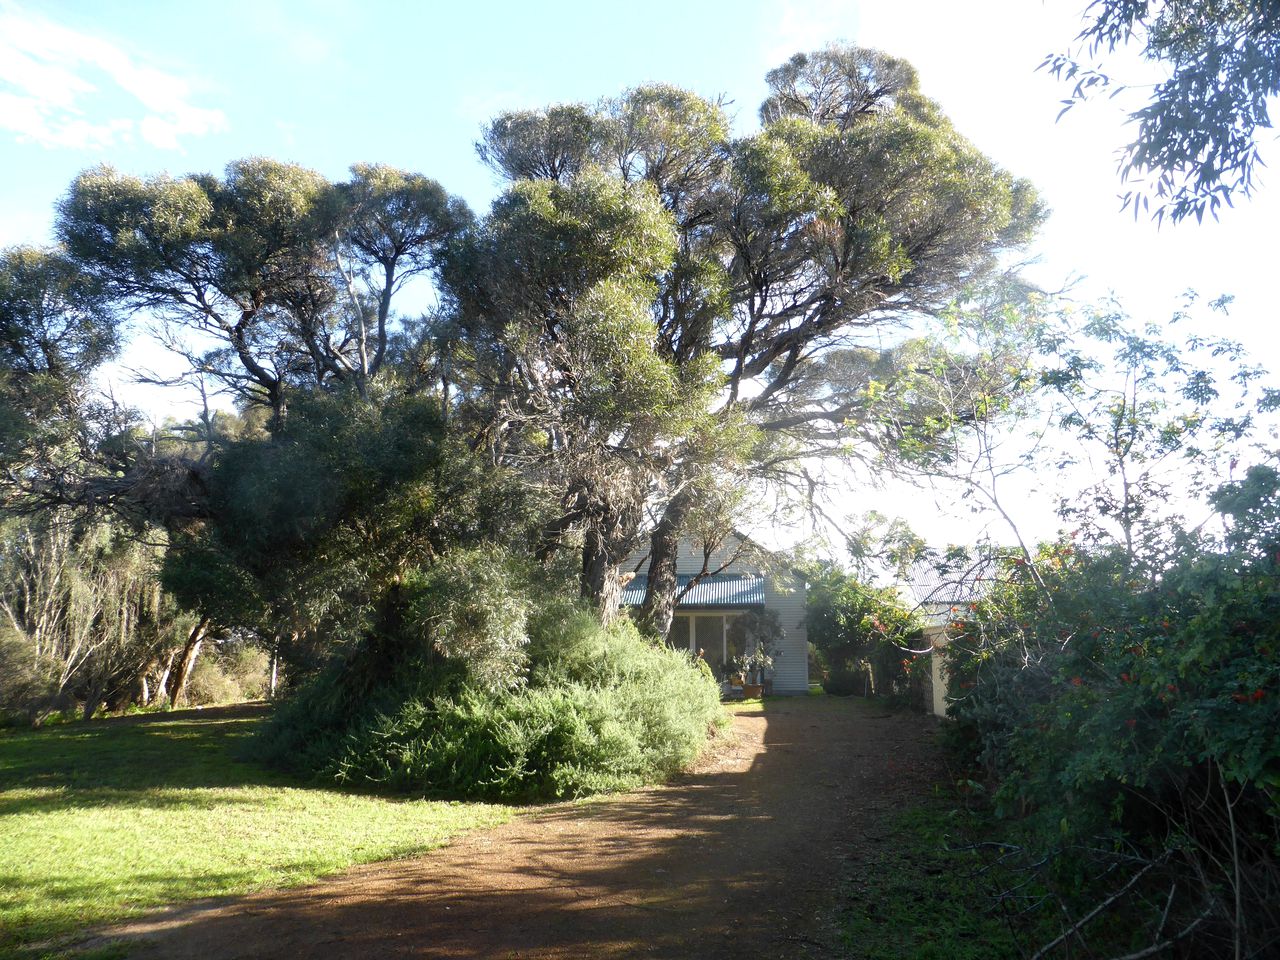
(927, 894)
(105, 820)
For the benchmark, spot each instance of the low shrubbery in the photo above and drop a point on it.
(1129, 715)
(584, 709)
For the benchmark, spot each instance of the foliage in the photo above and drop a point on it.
(473, 606)
(1146, 422)
(776, 260)
(570, 347)
(1164, 421)
(1197, 133)
(230, 673)
(108, 820)
(270, 279)
(316, 533)
(860, 634)
(602, 709)
(1130, 716)
(85, 620)
(56, 329)
(1099, 678)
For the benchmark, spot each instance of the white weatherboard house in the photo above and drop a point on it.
(724, 581)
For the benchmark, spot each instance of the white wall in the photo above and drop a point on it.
(937, 637)
(785, 595)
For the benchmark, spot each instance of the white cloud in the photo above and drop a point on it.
(803, 25)
(48, 71)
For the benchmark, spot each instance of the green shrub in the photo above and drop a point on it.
(602, 709)
(472, 606)
(24, 691)
(860, 635)
(1129, 716)
(231, 675)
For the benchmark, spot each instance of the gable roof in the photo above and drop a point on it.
(937, 592)
(720, 591)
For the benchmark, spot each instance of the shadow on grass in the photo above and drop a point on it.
(207, 750)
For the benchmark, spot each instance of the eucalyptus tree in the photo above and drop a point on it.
(56, 330)
(788, 254)
(268, 280)
(1196, 137)
(553, 295)
(273, 284)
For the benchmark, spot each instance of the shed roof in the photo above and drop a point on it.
(721, 590)
(937, 591)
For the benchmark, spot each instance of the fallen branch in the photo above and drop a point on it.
(1084, 921)
(1155, 948)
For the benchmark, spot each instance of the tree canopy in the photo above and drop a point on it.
(779, 261)
(1196, 142)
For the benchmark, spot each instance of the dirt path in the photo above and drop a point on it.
(738, 859)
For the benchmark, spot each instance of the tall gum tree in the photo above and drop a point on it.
(268, 282)
(553, 295)
(856, 208)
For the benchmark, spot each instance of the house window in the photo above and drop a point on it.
(709, 637)
(679, 636)
(733, 647)
(710, 633)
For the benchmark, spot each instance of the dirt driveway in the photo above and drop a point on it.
(738, 859)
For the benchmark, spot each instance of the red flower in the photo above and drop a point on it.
(1124, 678)
(1076, 682)
(1258, 695)
(1131, 723)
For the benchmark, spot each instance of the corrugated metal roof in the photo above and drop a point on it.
(722, 590)
(938, 592)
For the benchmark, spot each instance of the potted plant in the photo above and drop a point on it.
(757, 632)
(753, 666)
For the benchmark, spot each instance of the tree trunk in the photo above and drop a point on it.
(187, 660)
(162, 684)
(600, 581)
(275, 671)
(142, 682)
(92, 700)
(610, 534)
(659, 607)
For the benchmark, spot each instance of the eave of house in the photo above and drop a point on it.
(722, 591)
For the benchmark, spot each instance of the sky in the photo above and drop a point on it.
(152, 87)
